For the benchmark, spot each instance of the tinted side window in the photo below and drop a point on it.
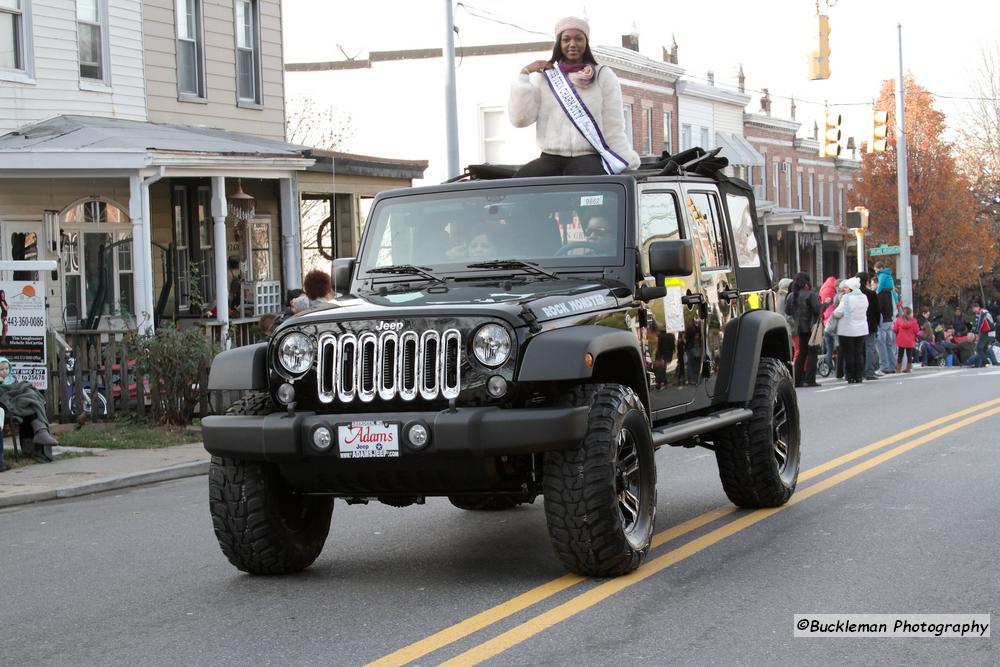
(744, 238)
(658, 217)
(707, 230)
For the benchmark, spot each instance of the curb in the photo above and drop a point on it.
(179, 471)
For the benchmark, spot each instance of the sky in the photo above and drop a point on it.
(942, 42)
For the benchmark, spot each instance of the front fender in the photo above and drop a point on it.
(241, 368)
(560, 354)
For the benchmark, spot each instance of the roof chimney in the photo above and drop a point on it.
(673, 49)
(631, 41)
(793, 108)
(765, 103)
(711, 78)
(741, 80)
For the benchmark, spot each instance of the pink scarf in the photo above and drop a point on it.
(579, 75)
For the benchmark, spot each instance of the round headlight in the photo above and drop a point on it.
(295, 353)
(491, 345)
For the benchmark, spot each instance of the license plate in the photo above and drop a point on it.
(368, 440)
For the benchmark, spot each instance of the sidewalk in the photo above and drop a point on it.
(109, 469)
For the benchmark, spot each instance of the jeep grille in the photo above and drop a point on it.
(388, 365)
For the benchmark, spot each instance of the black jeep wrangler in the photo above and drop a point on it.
(502, 338)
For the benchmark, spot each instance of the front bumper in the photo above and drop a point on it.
(483, 431)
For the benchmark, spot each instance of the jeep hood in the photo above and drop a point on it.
(547, 299)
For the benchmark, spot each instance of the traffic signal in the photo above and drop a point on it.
(880, 128)
(829, 141)
(819, 57)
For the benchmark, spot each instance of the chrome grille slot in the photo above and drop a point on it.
(347, 353)
(367, 366)
(408, 348)
(452, 358)
(429, 367)
(388, 344)
(326, 362)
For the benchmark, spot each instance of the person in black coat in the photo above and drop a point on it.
(871, 345)
(803, 305)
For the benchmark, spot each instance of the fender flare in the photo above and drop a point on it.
(559, 355)
(759, 333)
(240, 368)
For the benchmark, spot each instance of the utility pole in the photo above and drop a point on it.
(903, 197)
(450, 104)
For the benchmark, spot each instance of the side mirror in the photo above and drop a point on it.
(671, 258)
(343, 269)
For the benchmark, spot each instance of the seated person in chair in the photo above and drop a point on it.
(21, 400)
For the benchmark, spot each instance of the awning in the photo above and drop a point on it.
(738, 150)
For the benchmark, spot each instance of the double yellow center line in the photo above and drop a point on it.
(601, 592)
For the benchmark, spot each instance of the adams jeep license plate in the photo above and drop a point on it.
(368, 440)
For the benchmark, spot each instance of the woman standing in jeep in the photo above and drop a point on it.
(584, 135)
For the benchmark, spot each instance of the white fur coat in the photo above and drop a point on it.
(532, 101)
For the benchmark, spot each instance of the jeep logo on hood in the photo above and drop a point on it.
(388, 326)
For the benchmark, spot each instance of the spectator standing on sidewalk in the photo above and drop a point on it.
(803, 305)
(906, 329)
(853, 329)
(985, 330)
(871, 339)
(828, 298)
(887, 315)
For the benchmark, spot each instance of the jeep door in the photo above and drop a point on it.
(716, 277)
(675, 328)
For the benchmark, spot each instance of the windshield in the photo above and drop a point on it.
(547, 225)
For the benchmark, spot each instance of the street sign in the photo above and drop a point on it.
(884, 250)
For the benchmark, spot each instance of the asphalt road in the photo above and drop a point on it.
(905, 526)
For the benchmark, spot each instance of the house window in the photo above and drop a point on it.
(182, 257)
(704, 138)
(840, 205)
(190, 49)
(648, 146)
(248, 78)
(96, 262)
(206, 263)
(260, 250)
(774, 182)
(13, 34)
(799, 193)
(668, 122)
(629, 130)
(787, 168)
(685, 137)
(493, 136)
(821, 197)
(91, 28)
(812, 192)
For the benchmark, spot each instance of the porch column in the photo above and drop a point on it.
(797, 254)
(141, 274)
(219, 247)
(291, 246)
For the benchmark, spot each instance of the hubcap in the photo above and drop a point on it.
(628, 478)
(781, 434)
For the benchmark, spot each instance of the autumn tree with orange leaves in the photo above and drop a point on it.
(948, 233)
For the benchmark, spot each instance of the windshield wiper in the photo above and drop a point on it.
(408, 270)
(530, 267)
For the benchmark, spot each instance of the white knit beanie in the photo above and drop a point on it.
(571, 22)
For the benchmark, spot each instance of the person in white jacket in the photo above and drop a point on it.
(565, 151)
(852, 329)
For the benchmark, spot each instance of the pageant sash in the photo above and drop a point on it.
(579, 115)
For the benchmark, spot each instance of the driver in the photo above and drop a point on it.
(480, 246)
(600, 233)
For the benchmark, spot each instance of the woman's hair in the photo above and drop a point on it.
(291, 294)
(317, 284)
(557, 54)
(800, 282)
(267, 323)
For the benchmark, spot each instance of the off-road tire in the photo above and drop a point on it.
(487, 503)
(262, 527)
(751, 468)
(583, 487)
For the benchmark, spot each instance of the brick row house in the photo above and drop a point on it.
(145, 152)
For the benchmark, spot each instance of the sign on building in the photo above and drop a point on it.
(22, 332)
